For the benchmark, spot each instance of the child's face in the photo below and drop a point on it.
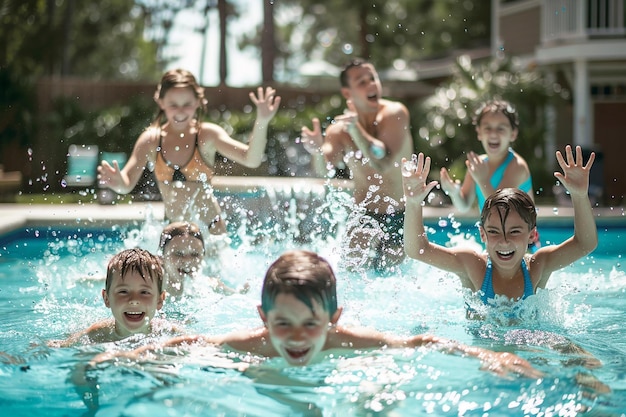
(295, 332)
(180, 105)
(133, 302)
(505, 245)
(182, 257)
(495, 133)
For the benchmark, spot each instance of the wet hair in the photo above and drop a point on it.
(149, 266)
(304, 274)
(497, 106)
(178, 78)
(343, 76)
(179, 229)
(506, 199)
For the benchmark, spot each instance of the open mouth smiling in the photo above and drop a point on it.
(134, 316)
(297, 354)
(505, 254)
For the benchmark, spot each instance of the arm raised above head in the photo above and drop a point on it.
(251, 155)
(575, 178)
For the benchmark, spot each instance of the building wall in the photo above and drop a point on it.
(520, 31)
(609, 136)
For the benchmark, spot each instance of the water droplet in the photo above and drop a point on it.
(410, 166)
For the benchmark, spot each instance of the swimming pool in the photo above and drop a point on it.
(49, 287)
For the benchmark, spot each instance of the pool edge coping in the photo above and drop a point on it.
(14, 216)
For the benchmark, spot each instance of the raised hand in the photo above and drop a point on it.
(414, 175)
(477, 167)
(448, 185)
(312, 140)
(109, 175)
(575, 176)
(349, 118)
(267, 103)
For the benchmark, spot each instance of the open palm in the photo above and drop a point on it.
(575, 176)
(414, 176)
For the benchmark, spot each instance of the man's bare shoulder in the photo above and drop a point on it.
(392, 107)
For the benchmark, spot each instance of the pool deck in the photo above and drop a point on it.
(14, 216)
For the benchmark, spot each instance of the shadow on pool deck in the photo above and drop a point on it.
(13, 216)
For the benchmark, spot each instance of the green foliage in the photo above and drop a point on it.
(443, 126)
(113, 129)
(103, 39)
(285, 155)
(382, 31)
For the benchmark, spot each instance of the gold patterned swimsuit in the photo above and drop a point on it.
(196, 169)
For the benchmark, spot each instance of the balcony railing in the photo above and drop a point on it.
(581, 20)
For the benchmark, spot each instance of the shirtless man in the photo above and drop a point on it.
(370, 139)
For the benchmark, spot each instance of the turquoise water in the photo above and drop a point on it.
(50, 286)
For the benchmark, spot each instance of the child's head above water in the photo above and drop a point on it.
(182, 248)
(175, 229)
(497, 106)
(303, 274)
(179, 79)
(506, 199)
(149, 266)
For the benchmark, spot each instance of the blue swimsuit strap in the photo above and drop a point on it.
(526, 185)
(496, 178)
(487, 287)
(528, 283)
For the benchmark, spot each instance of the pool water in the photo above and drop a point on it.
(50, 283)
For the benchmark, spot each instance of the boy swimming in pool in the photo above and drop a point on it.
(183, 249)
(134, 292)
(508, 223)
(300, 316)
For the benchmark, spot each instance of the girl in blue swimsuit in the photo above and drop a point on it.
(508, 224)
(497, 127)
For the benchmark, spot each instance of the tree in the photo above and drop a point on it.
(379, 30)
(268, 43)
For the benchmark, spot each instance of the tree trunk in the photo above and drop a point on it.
(223, 12)
(268, 43)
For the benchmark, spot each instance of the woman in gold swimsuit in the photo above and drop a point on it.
(181, 149)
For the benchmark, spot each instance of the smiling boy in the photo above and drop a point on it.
(300, 316)
(134, 292)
